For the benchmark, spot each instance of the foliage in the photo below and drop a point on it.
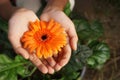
(100, 54)
(89, 34)
(91, 52)
(9, 68)
(88, 31)
(67, 9)
(3, 25)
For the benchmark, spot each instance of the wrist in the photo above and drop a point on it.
(56, 4)
(7, 12)
(23, 12)
(51, 9)
(6, 9)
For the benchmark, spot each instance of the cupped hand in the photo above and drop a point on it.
(63, 57)
(18, 24)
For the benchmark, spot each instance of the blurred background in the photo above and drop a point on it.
(108, 12)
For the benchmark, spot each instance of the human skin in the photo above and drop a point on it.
(19, 18)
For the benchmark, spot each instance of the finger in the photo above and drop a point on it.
(73, 38)
(17, 47)
(23, 52)
(36, 61)
(51, 61)
(50, 69)
(57, 67)
(55, 56)
(64, 57)
(44, 17)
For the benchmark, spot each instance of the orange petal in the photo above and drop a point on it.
(55, 27)
(33, 26)
(26, 39)
(50, 52)
(44, 48)
(38, 53)
(50, 24)
(28, 43)
(32, 48)
(43, 24)
(45, 52)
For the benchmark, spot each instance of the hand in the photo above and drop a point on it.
(59, 16)
(18, 24)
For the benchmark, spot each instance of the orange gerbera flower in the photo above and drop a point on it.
(44, 38)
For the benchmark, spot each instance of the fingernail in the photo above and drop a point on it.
(26, 56)
(52, 72)
(57, 67)
(43, 69)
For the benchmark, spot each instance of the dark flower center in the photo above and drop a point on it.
(44, 37)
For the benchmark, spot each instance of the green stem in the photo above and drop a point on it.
(33, 71)
(12, 66)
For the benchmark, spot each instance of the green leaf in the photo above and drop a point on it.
(97, 27)
(22, 70)
(7, 64)
(101, 53)
(10, 68)
(5, 59)
(8, 75)
(19, 58)
(88, 31)
(83, 53)
(4, 74)
(91, 61)
(68, 73)
(81, 25)
(67, 9)
(3, 25)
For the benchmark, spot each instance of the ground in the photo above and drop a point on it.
(109, 14)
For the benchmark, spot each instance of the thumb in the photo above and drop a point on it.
(44, 17)
(73, 38)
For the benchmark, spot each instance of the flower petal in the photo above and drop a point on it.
(55, 39)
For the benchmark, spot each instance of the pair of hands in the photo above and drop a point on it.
(18, 24)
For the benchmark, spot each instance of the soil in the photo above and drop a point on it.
(109, 15)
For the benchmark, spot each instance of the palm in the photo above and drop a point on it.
(59, 16)
(18, 24)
